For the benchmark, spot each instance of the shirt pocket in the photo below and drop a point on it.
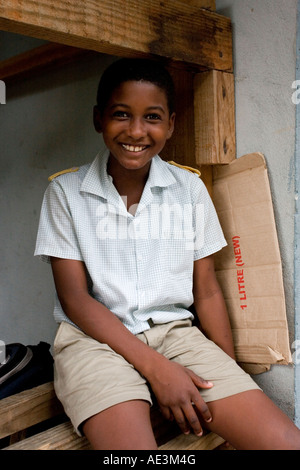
(177, 255)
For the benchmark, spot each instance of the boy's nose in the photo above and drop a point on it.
(136, 128)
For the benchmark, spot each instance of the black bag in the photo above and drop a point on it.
(25, 367)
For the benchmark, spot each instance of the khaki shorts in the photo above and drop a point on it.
(90, 376)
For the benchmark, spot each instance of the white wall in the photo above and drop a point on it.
(264, 33)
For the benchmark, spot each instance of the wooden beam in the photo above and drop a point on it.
(209, 441)
(20, 411)
(214, 118)
(207, 4)
(181, 147)
(207, 177)
(172, 29)
(37, 60)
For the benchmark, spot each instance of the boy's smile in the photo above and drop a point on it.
(135, 125)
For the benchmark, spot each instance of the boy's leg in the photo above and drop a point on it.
(242, 413)
(250, 420)
(101, 389)
(125, 426)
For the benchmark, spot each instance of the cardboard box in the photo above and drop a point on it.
(249, 269)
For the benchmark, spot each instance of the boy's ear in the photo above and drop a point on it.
(97, 119)
(171, 125)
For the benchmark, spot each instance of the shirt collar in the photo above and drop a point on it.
(97, 181)
(160, 175)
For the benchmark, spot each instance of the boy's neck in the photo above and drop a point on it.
(129, 183)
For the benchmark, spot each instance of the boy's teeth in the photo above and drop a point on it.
(132, 148)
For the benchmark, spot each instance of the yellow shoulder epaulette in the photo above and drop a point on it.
(69, 170)
(188, 168)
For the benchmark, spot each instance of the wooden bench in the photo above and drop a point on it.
(35, 420)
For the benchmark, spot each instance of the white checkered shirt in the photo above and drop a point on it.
(141, 266)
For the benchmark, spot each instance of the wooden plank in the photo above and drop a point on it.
(214, 118)
(61, 437)
(208, 4)
(172, 29)
(39, 59)
(22, 410)
(40, 403)
(181, 147)
(191, 442)
(207, 177)
(27, 408)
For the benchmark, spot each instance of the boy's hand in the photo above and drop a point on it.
(176, 390)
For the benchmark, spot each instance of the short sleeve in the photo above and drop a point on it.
(56, 235)
(209, 237)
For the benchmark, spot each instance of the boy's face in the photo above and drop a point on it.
(136, 124)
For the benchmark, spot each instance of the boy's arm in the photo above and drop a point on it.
(174, 386)
(210, 305)
(91, 316)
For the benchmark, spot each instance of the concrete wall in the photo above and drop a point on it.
(264, 34)
(46, 126)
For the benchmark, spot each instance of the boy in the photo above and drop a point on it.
(131, 240)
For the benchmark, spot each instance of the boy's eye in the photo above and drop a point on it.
(120, 114)
(153, 117)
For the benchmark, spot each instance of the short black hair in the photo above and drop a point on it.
(124, 70)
